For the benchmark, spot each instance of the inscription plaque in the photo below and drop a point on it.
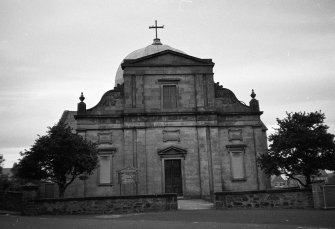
(127, 176)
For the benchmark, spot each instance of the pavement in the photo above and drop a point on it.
(194, 204)
(6, 212)
(185, 218)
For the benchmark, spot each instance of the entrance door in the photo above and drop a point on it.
(173, 180)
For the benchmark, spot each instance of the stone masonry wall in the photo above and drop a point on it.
(284, 198)
(101, 205)
(10, 200)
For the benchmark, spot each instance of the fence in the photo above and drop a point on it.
(329, 196)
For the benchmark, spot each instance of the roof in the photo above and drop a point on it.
(277, 179)
(68, 118)
(156, 47)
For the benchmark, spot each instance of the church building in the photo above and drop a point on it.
(167, 127)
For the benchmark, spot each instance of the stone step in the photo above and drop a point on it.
(194, 204)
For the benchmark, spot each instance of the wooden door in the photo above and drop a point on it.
(173, 178)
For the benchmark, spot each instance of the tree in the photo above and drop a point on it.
(300, 146)
(1, 161)
(4, 180)
(59, 156)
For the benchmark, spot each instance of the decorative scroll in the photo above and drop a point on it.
(171, 135)
(109, 99)
(227, 96)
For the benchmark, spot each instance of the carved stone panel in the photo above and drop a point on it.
(105, 138)
(235, 134)
(171, 135)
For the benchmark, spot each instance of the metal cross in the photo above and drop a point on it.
(156, 27)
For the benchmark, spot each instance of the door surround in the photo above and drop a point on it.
(173, 153)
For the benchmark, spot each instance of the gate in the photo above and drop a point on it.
(329, 196)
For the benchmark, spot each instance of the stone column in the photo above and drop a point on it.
(141, 161)
(129, 158)
(216, 159)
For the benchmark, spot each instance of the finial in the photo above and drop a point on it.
(253, 95)
(157, 41)
(81, 98)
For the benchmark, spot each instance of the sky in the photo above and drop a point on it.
(51, 51)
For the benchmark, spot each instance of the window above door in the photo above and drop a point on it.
(169, 96)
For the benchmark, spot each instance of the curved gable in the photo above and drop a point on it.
(112, 100)
(226, 100)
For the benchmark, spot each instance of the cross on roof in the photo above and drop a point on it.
(156, 27)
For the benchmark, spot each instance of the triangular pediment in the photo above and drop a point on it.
(172, 151)
(167, 58)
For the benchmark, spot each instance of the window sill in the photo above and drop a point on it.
(238, 179)
(106, 184)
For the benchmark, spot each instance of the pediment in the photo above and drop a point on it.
(167, 58)
(172, 151)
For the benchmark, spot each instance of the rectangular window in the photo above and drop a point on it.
(105, 169)
(237, 165)
(169, 96)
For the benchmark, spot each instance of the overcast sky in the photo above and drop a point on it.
(50, 51)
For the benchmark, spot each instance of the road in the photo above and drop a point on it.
(209, 219)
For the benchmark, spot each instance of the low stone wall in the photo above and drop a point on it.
(101, 205)
(279, 198)
(11, 200)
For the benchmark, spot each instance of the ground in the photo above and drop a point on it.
(185, 219)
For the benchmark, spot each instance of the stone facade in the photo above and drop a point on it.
(176, 127)
(101, 205)
(284, 198)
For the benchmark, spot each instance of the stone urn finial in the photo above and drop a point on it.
(82, 98)
(254, 104)
(253, 95)
(81, 105)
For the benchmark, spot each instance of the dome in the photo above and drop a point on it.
(156, 47)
